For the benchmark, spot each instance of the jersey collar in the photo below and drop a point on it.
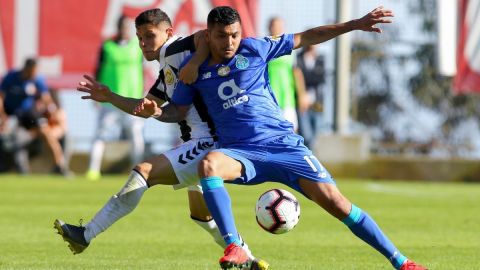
(162, 59)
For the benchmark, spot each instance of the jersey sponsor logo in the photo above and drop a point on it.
(206, 75)
(223, 71)
(241, 62)
(169, 77)
(231, 99)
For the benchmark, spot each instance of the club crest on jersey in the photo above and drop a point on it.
(274, 38)
(169, 77)
(206, 75)
(223, 71)
(241, 62)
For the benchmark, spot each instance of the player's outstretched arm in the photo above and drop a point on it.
(323, 33)
(101, 93)
(169, 114)
(189, 73)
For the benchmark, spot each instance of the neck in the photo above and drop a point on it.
(214, 60)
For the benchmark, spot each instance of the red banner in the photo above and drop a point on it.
(467, 79)
(66, 35)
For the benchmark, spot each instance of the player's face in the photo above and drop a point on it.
(151, 39)
(224, 40)
(29, 73)
(276, 28)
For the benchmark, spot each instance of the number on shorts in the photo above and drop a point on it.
(314, 163)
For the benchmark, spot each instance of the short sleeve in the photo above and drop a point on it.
(4, 84)
(183, 94)
(155, 89)
(41, 85)
(272, 47)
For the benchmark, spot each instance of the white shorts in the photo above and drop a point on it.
(185, 157)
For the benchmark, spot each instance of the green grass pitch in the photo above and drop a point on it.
(436, 224)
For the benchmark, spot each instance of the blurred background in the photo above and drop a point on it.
(403, 104)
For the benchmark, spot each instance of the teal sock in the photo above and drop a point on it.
(219, 204)
(365, 228)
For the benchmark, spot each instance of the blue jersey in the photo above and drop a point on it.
(20, 94)
(238, 95)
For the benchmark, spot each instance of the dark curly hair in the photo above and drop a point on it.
(223, 15)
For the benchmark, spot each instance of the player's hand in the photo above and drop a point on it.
(369, 22)
(95, 90)
(147, 108)
(188, 74)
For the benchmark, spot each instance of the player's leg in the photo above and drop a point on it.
(213, 169)
(185, 160)
(153, 171)
(328, 196)
(289, 157)
(106, 119)
(156, 170)
(201, 216)
(55, 148)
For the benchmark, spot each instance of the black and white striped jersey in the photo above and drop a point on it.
(197, 123)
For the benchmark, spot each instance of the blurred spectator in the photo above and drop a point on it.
(286, 80)
(56, 120)
(120, 68)
(25, 99)
(313, 68)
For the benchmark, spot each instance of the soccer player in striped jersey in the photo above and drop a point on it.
(256, 143)
(177, 167)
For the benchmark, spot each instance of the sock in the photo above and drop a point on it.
(118, 206)
(365, 228)
(212, 229)
(246, 248)
(219, 205)
(96, 156)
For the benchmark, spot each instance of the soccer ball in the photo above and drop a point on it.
(277, 211)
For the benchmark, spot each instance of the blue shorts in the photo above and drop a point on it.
(284, 159)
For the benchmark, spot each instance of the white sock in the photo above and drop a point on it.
(212, 229)
(246, 248)
(118, 206)
(96, 156)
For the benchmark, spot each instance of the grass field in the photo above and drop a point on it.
(438, 225)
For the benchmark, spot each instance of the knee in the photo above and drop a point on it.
(144, 168)
(208, 166)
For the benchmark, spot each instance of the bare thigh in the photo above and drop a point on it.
(157, 170)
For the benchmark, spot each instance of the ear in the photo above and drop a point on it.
(169, 31)
(207, 36)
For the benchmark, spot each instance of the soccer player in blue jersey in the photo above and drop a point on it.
(176, 167)
(256, 143)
